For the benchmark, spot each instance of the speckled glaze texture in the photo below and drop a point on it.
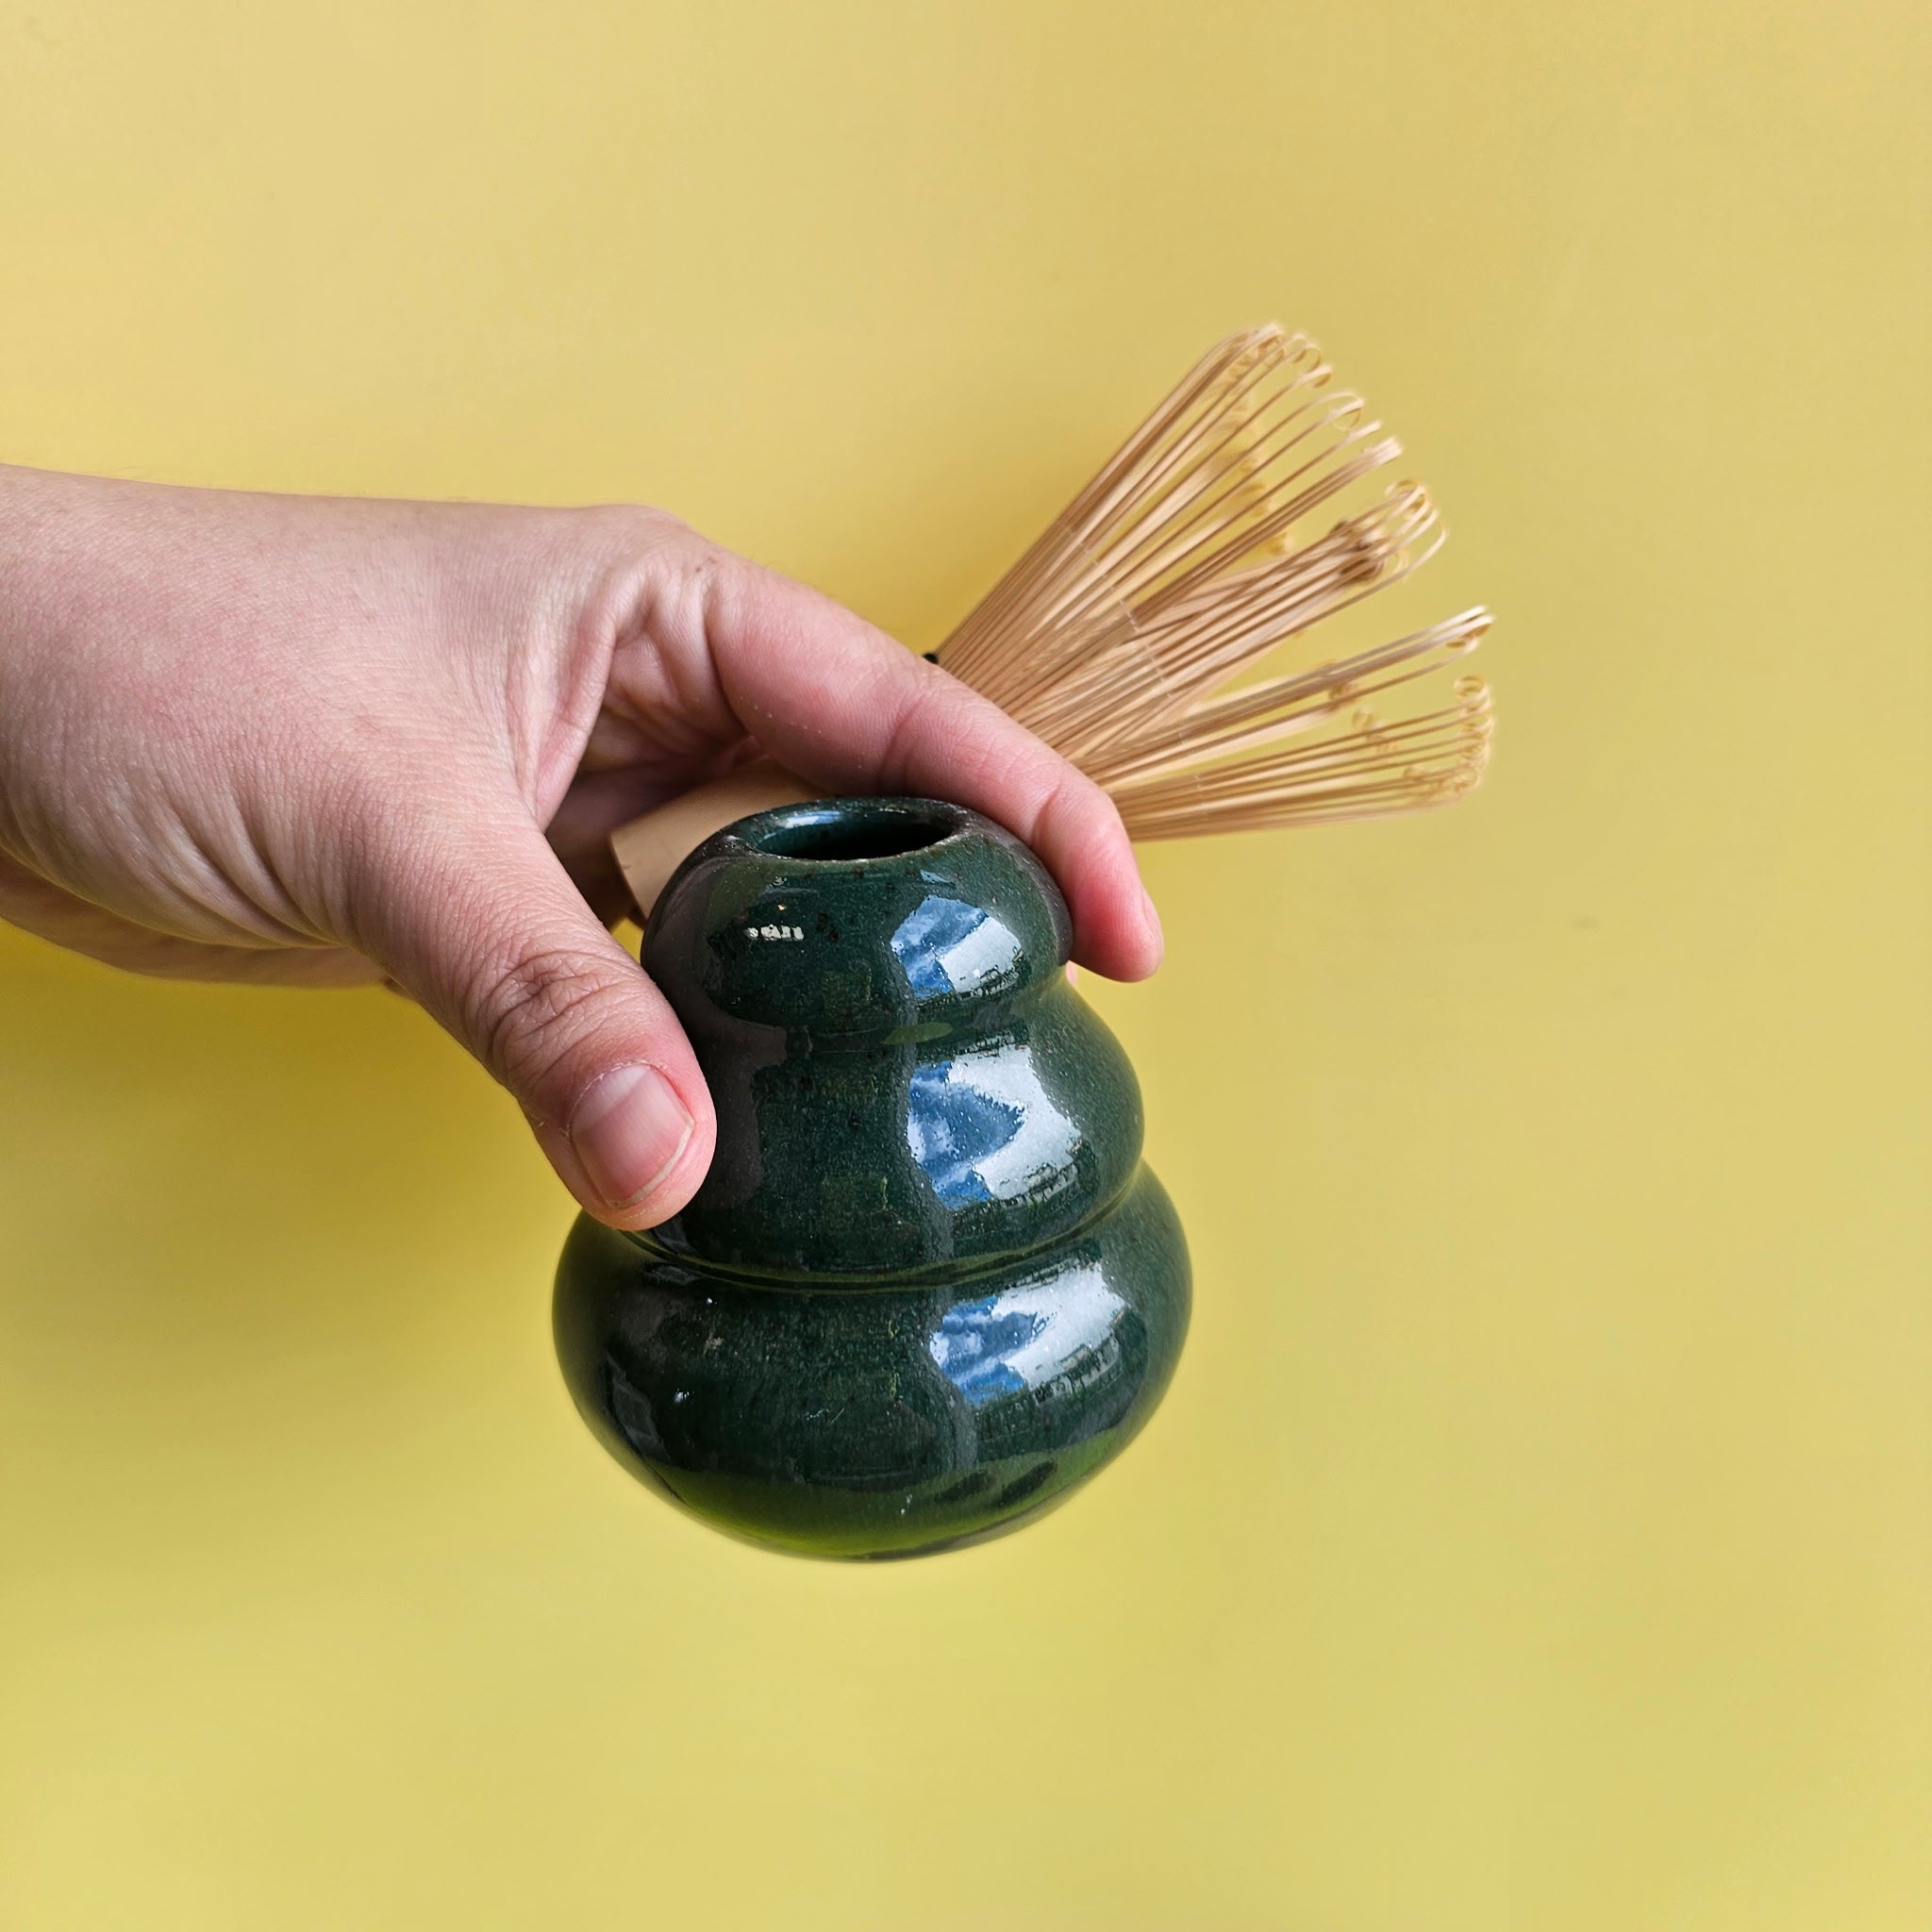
(927, 1286)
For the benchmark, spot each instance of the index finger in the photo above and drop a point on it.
(845, 707)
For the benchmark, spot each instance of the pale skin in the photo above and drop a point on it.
(324, 741)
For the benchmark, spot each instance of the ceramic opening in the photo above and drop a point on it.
(843, 836)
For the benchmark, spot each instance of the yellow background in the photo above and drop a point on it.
(1539, 1532)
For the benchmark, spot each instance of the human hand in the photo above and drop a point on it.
(326, 741)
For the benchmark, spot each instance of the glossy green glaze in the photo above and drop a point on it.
(927, 1286)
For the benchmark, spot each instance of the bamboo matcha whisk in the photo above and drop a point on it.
(1122, 637)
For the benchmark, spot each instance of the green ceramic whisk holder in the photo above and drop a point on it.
(929, 1286)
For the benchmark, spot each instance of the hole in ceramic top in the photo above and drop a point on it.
(852, 830)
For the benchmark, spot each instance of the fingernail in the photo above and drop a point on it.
(1153, 919)
(628, 1131)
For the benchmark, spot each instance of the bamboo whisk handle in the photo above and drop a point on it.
(649, 849)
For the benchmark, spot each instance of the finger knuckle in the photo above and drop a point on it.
(919, 713)
(1075, 805)
(539, 1009)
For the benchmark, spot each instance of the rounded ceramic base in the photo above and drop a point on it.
(855, 1420)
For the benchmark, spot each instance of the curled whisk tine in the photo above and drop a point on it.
(1125, 634)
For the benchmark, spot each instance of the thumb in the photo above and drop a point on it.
(487, 933)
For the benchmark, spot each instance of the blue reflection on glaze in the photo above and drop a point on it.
(1028, 1337)
(951, 1132)
(985, 1129)
(944, 946)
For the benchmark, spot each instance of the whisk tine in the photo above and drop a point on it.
(1132, 633)
(1122, 635)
